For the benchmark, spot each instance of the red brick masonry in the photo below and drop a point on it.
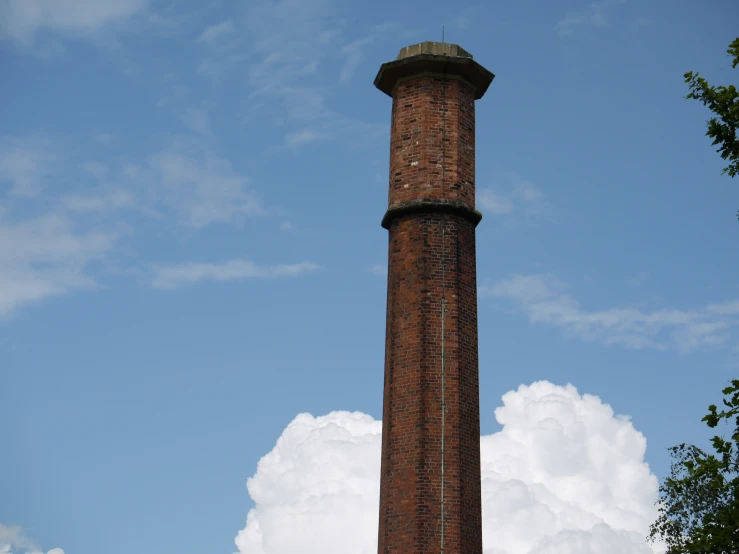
(431, 222)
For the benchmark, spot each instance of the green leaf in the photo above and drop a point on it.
(724, 103)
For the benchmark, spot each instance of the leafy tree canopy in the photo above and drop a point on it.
(724, 103)
(699, 501)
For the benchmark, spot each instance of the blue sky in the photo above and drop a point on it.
(191, 254)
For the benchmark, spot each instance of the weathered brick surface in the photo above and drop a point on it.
(431, 256)
(422, 135)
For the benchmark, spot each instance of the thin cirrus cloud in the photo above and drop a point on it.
(194, 185)
(565, 474)
(110, 201)
(543, 299)
(181, 275)
(104, 138)
(379, 270)
(592, 16)
(25, 162)
(726, 309)
(197, 119)
(289, 47)
(185, 178)
(184, 181)
(302, 137)
(22, 20)
(522, 199)
(47, 252)
(58, 244)
(466, 18)
(46, 256)
(95, 169)
(213, 33)
(222, 49)
(354, 52)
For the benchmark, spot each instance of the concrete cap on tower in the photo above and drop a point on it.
(434, 58)
(442, 48)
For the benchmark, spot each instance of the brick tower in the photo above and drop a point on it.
(430, 498)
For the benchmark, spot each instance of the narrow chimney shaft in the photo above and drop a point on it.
(430, 482)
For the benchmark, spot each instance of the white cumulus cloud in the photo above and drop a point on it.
(564, 475)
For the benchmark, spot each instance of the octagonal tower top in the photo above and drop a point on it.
(434, 58)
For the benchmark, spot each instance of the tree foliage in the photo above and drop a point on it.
(724, 103)
(699, 501)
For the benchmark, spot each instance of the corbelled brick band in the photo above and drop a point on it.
(431, 219)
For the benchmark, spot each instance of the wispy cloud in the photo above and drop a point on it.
(223, 49)
(197, 120)
(12, 539)
(638, 24)
(639, 278)
(728, 308)
(465, 18)
(214, 33)
(47, 247)
(191, 183)
(521, 199)
(176, 276)
(186, 179)
(302, 137)
(498, 204)
(12, 536)
(56, 243)
(354, 52)
(21, 20)
(111, 200)
(284, 48)
(593, 16)
(215, 66)
(201, 187)
(24, 163)
(544, 300)
(46, 256)
(96, 169)
(380, 270)
(104, 138)
(174, 97)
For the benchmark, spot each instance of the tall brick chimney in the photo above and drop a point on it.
(430, 498)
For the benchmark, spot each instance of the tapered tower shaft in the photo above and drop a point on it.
(430, 483)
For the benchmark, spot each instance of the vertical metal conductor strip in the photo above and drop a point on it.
(443, 292)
